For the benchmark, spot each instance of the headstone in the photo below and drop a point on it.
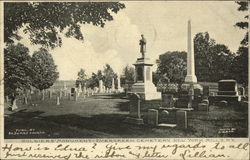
(242, 91)
(135, 109)
(153, 117)
(168, 100)
(100, 86)
(223, 103)
(57, 100)
(119, 89)
(80, 88)
(203, 107)
(181, 119)
(205, 91)
(72, 91)
(197, 92)
(14, 106)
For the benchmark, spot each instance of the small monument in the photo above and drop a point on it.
(143, 79)
(190, 83)
(119, 89)
(80, 88)
(100, 86)
(113, 85)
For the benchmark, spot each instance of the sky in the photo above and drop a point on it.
(163, 24)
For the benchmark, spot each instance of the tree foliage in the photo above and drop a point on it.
(173, 66)
(129, 74)
(108, 75)
(45, 20)
(239, 68)
(44, 71)
(81, 78)
(16, 69)
(212, 60)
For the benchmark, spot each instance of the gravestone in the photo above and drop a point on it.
(205, 91)
(242, 91)
(72, 91)
(134, 109)
(14, 106)
(100, 86)
(153, 117)
(80, 88)
(228, 91)
(181, 119)
(57, 100)
(167, 100)
(204, 105)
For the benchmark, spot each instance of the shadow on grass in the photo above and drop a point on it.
(111, 96)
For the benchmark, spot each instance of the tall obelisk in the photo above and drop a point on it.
(190, 77)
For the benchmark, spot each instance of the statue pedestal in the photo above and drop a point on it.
(144, 85)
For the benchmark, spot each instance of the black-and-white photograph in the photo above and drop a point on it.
(128, 69)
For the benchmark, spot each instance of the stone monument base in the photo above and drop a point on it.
(146, 90)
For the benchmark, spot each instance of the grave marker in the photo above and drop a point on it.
(181, 119)
(153, 117)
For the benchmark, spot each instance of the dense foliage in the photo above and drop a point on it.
(43, 21)
(44, 71)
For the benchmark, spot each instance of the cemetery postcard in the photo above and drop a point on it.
(124, 80)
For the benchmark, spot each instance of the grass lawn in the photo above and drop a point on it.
(102, 116)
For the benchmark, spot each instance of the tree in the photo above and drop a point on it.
(203, 56)
(239, 68)
(243, 7)
(93, 81)
(44, 70)
(220, 68)
(16, 71)
(81, 78)
(173, 66)
(108, 75)
(129, 73)
(43, 21)
(212, 61)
